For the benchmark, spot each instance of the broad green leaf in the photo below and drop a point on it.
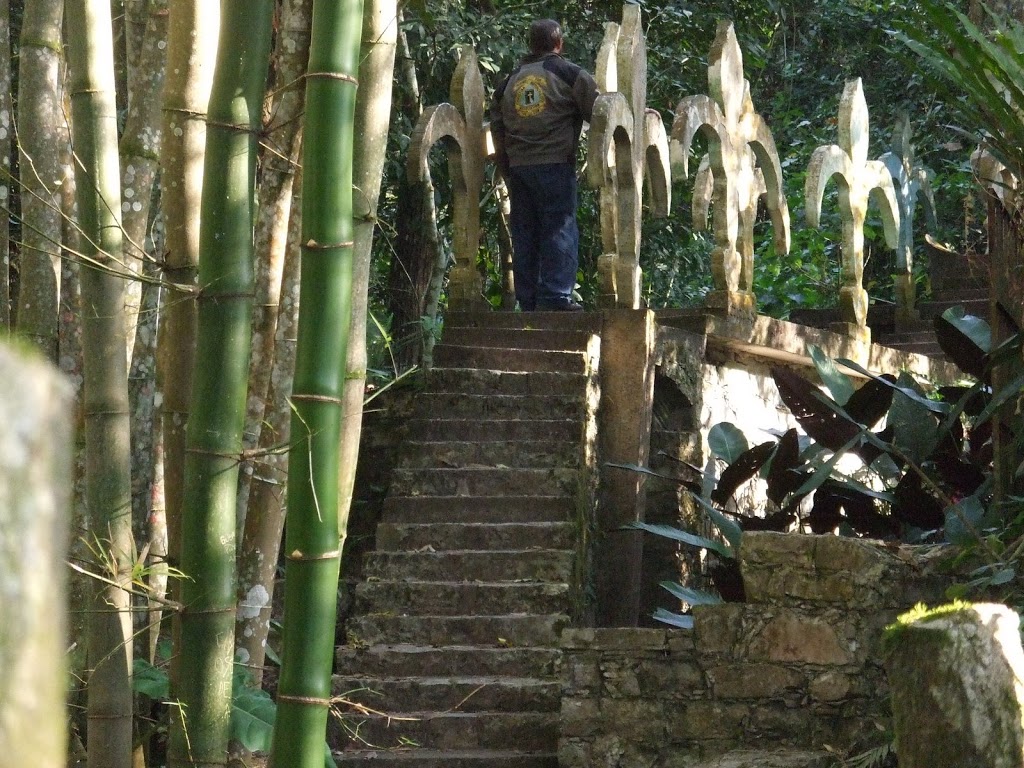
(690, 595)
(838, 383)
(970, 508)
(965, 339)
(678, 534)
(727, 441)
(673, 619)
(822, 470)
(150, 681)
(252, 718)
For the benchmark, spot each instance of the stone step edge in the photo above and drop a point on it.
(418, 753)
(455, 679)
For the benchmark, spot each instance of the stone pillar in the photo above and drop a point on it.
(35, 480)
(956, 688)
(624, 426)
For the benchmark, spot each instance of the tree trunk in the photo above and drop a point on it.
(417, 248)
(39, 114)
(272, 221)
(6, 109)
(203, 659)
(264, 521)
(35, 477)
(313, 536)
(372, 118)
(108, 473)
(191, 47)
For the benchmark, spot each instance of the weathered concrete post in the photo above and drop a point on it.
(860, 180)
(624, 428)
(35, 480)
(957, 689)
(626, 144)
(460, 125)
(910, 182)
(742, 165)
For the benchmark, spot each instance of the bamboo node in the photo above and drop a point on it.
(312, 701)
(311, 398)
(313, 245)
(299, 556)
(334, 76)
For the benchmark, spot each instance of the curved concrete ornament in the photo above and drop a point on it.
(911, 182)
(459, 127)
(742, 166)
(860, 181)
(626, 144)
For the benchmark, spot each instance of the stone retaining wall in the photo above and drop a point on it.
(797, 666)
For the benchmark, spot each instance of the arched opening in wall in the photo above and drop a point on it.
(675, 442)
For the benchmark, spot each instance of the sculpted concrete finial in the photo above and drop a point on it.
(624, 141)
(860, 180)
(910, 182)
(459, 126)
(741, 166)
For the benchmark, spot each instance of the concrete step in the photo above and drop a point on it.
(963, 290)
(483, 481)
(552, 565)
(484, 630)
(479, 509)
(430, 661)
(529, 731)
(461, 693)
(485, 382)
(567, 321)
(505, 359)
(447, 598)
(408, 757)
(490, 430)
(931, 309)
(445, 536)
(517, 338)
(535, 454)
(460, 405)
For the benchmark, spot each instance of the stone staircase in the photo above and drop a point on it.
(452, 653)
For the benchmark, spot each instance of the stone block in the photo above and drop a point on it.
(582, 673)
(669, 678)
(831, 686)
(717, 627)
(580, 717)
(790, 637)
(753, 681)
(770, 548)
(781, 724)
(709, 721)
(640, 722)
(619, 680)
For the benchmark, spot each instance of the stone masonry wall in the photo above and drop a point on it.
(796, 666)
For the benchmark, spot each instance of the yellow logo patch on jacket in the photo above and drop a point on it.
(528, 95)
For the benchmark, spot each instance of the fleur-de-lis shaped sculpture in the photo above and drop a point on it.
(742, 164)
(860, 181)
(459, 125)
(626, 144)
(910, 182)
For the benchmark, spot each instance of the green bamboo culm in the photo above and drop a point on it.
(313, 540)
(105, 390)
(202, 662)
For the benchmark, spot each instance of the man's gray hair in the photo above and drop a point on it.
(545, 35)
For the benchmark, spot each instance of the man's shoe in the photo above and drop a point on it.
(564, 305)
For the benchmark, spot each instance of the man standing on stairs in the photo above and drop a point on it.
(536, 116)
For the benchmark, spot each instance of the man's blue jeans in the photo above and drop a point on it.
(545, 237)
